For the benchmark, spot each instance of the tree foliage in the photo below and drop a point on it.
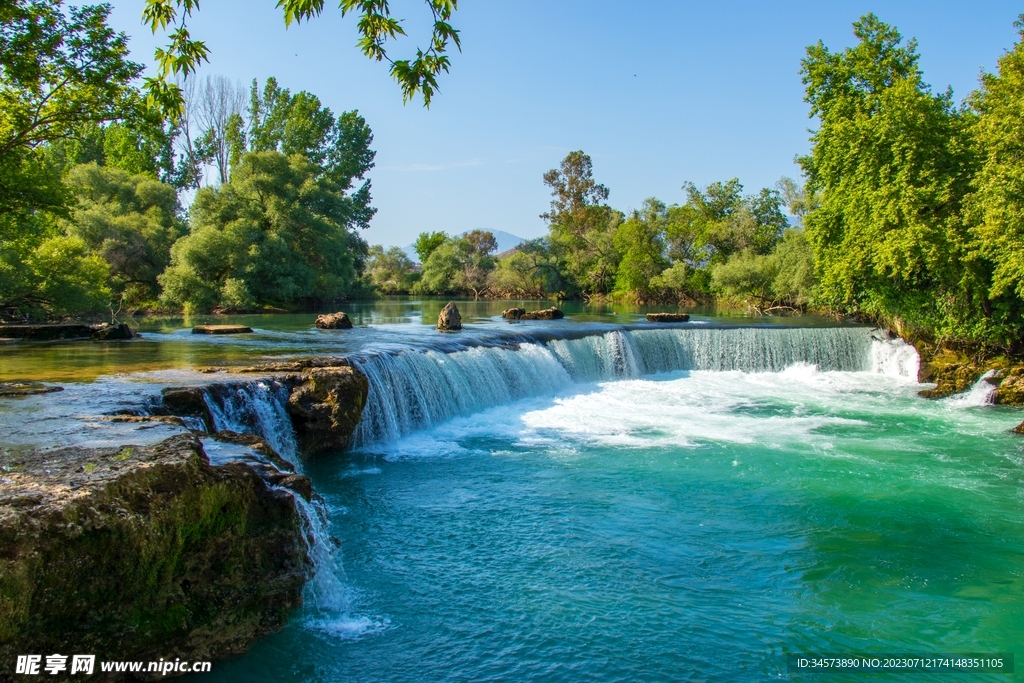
(131, 221)
(279, 232)
(376, 25)
(894, 164)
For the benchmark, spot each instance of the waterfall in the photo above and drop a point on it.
(256, 408)
(980, 394)
(412, 390)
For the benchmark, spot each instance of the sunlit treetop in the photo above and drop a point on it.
(183, 55)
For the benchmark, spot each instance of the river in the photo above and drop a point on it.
(593, 499)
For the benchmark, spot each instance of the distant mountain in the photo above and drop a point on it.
(506, 241)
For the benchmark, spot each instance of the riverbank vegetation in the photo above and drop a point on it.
(910, 211)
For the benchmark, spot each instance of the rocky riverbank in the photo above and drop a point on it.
(145, 552)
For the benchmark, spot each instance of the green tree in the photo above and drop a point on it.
(280, 231)
(640, 241)
(61, 69)
(783, 279)
(581, 227)
(459, 265)
(531, 271)
(131, 221)
(893, 162)
(376, 26)
(427, 242)
(390, 271)
(996, 207)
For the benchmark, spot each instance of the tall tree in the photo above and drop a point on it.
(582, 228)
(893, 162)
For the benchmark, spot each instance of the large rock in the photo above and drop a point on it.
(142, 553)
(513, 313)
(1010, 387)
(449, 319)
(667, 317)
(544, 314)
(55, 331)
(326, 405)
(188, 402)
(334, 321)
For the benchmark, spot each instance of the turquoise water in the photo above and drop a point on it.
(593, 499)
(684, 526)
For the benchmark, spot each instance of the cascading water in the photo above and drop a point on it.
(256, 408)
(412, 390)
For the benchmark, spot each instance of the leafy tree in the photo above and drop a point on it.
(300, 124)
(459, 265)
(582, 228)
(427, 242)
(280, 231)
(640, 241)
(530, 272)
(783, 279)
(442, 271)
(376, 26)
(61, 69)
(996, 208)
(391, 271)
(129, 220)
(893, 162)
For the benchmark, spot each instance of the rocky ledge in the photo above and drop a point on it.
(138, 553)
(56, 331)
(326, 397)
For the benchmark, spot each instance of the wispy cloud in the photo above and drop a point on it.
(434, 167)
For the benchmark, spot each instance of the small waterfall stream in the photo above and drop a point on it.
(256, 408)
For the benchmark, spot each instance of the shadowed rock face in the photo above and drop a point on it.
(667, 317)
(450, 318)
(334, 321)
(53, 331)
(326, 405)
(138, 553)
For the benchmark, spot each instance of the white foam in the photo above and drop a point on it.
(895, 358)
(978, 395)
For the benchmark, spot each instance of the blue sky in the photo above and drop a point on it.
(657, 93)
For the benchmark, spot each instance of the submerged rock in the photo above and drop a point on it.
(325, 407)
(334, 321)
(141, 553)
(449, 319)
(27, 388)
(513, 313)
(668, 317)
(543, 314)
(221, 329)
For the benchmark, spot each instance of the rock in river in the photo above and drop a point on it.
(221, 329)
(325, 407)
(544, 314)
(667, 317)
(513, 313)
(334, 321)
(450, 319)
